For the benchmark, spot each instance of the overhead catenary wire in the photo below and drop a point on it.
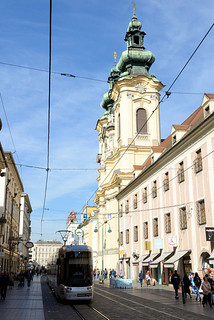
(69, 75)
(49, 117)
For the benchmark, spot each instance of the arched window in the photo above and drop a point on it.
(118, 126)
(141, 119)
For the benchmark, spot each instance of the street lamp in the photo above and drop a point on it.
(109, 231)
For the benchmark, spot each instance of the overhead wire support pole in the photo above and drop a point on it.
(49, 117)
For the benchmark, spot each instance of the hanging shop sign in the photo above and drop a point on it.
(172, 241)
(148, 245)
(209, 234)
(158, 243)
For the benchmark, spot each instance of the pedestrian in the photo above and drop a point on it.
(187, 284)
(94, 274)
(11, 281)
(4, 282)
(141, 278)
(175, 280)
(197, 282)
(110, 273)
(29, 277)
(147, 278)
(211, 281)
(206, 287)
(105, 273)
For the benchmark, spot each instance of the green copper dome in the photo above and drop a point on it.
(135, 60)
(134, 24)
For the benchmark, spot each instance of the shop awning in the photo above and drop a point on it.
(146, 261)
(144, 256)
(178, 255)
(164, 256)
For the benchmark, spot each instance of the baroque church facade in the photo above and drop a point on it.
(154, 204)
(128, 130)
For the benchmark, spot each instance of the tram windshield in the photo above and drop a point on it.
(78, 269)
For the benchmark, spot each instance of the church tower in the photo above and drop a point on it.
(128, 130)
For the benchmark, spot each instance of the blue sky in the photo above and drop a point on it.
(84, 36)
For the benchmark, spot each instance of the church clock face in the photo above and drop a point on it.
(140, 87)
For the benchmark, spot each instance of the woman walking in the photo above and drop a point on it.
(206, 287)
(197, 282)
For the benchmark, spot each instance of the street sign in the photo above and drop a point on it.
(79, 232)
(29, 244)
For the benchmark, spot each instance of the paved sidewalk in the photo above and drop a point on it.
(23, 303)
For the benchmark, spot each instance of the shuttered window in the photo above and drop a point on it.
(183, 218)
(155, 227)
(146, 230)
(135, 233)
(201, 212)
(127, 236)
(167, 223)
(141, 119)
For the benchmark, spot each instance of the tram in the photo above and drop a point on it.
(71, 276)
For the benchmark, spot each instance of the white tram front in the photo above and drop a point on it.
(71, 277)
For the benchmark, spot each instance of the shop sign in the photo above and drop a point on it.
(148, 245)
(158, 243)
(172, 241)
(1, 254)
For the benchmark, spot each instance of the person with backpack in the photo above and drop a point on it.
(197, 282)
(175, 280)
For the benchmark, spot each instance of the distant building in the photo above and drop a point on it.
(24, 227)
(88, 225)
(45, 251)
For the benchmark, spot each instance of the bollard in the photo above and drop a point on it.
(183, 292)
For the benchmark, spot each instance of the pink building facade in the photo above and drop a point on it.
(166, 210)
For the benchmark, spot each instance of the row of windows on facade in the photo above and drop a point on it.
(11, 207)
(45, 255)
(46, 249)
(8, 234)
(201, 217)
(181, 178)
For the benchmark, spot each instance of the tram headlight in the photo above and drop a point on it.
(67, 289)
(89, 288)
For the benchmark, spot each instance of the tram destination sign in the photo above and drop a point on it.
(209, 233)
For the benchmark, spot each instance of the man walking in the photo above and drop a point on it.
(175, 280)
(141, 278)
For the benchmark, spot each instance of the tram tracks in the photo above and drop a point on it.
(87, 312)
